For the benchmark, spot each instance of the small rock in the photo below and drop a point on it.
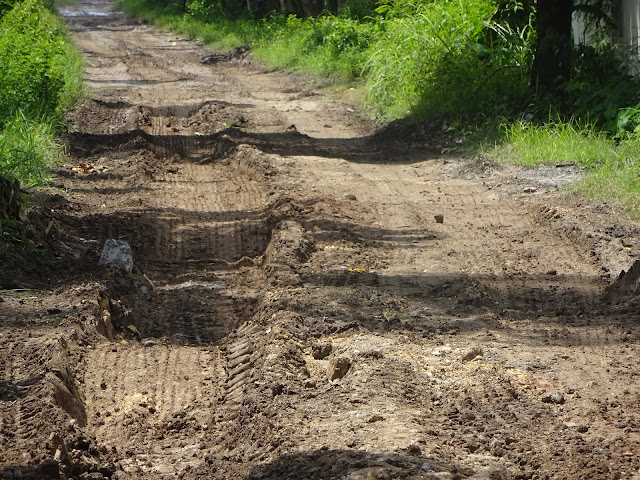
(439, 218)
(414, 450)
(582, 429)
(489, 474)
(103, 385)
(468, 416)
(117, 253)
(426, 467)
(350, 196)
(530, 189)
(375, 418)
(557, 398)
(471, 354)
(552, 272)
(442, 475)
(150, 343)
(338, 367)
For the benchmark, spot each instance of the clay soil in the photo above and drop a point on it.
(295, 309)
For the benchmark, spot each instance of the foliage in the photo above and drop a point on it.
(27, 148)
(40, 75)
(438, 58)
(602, 87)
(326, 45)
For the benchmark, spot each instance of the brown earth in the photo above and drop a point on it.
(295, 310)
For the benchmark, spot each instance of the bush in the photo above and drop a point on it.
(440, 58)
(40, 75)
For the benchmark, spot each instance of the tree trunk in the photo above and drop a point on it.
(551, 66)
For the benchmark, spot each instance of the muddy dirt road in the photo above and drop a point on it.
(296, 310)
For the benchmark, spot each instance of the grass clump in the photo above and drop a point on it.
(611, 166)
(554, 142)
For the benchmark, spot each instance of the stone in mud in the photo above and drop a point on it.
(338, 367)
(117, 253)
(557, 398)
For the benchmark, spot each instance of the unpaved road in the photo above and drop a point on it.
(308, 316)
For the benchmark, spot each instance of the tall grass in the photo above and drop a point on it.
(40, 75)
(439, 58)
(424, 58)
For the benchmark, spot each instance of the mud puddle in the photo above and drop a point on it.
(296, 310)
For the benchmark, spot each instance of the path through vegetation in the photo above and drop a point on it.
(313, 297)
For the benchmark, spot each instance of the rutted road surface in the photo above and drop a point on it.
(296, 310)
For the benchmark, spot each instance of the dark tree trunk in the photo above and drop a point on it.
(551, 66)
(332, 6)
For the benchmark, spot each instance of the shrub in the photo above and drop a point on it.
(40, 74)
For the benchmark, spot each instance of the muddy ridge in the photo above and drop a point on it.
(312, 296)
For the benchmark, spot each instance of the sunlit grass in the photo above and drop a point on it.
(27, 149)
(612, 168)
(554, 142)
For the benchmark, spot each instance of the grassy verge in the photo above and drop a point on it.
(41, 76)
(612, 166)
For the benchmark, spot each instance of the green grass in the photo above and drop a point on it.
(612, 167)
(41, 76)
(554, 142)
(27, 149)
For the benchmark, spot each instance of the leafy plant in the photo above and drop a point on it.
(40, 75)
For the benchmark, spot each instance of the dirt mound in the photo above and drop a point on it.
(626, 286)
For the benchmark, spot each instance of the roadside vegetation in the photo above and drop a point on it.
(469, 63)
(40, 75)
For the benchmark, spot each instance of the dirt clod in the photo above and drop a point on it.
(471, 354)
(320, 351)
(338, 367)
